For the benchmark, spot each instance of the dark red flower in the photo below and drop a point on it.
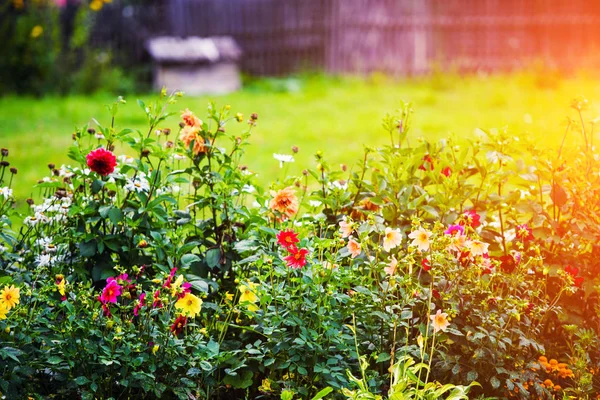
(529, 308)
(297, 257)
(101, 161)
(508, 263)
(170, 278)
(139, 305)
(178, 325)
(471, 218)
(436, 294)
(425, 264)
(287, 238)
(427, 163)
(157, 302)
(447, 171)
(524, 232)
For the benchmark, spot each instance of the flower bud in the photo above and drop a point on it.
(4, 152)
(145, 153)
(51, 166)
(13, 170)
(254, 116)
(91, 131)
(295, 149)
(166, 131)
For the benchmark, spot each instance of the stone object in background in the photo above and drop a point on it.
(196, 65)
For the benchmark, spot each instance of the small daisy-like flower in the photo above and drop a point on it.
(439, 321)
(420, 239)
(392, 239)
(6, 192)
(283, 158)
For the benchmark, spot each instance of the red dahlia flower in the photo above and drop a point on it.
(178, 325)
(111, 291)
(447, 171)
(101, 161)
(287, 238)
(427, 163)
(297, 257)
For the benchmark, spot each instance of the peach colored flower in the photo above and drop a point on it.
(439, 321)
(391, 268)
(190, 119)
(392, 239)
(191, 134)
(354, 248)
(457, 242)
(346, 228)
(477, 248)
(420, 239)
(285, 202)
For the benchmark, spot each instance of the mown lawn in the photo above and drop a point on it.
(335, 115)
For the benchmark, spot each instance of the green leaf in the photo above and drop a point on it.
(87, 249)
(97, 185)
(495, 382)
(213, 257)
(323, 393)
(81, 380)
(115, 215)
(54, 360)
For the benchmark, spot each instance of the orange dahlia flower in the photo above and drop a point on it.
(285, 202)
(191, 134)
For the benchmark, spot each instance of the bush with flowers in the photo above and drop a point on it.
(156, 267)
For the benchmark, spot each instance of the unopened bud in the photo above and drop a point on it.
(4, 152)
(51, 166)
(91, 131)
(295, 149)
(13, 171)
(166, 131)
(254, 116)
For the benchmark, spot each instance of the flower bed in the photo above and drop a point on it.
(438, 270)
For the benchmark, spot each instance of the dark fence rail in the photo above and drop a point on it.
(363, 36)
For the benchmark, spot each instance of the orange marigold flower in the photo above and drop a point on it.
(553, 362)
(548, 383)
(285, 202)
(543, 359)
(191, 134)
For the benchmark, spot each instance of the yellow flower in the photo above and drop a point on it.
(155, 349)
(37, 31)
(9, 297)
(392, 239)
(266, 385)
(175, 285)
(439, 321)
(229, 296)
(96, 5)
(3, 311)
(189, 305)
(420, 239)
(61, 287)
(248, 294)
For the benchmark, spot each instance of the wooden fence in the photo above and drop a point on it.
(362, 36)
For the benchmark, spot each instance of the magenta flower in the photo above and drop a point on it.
(453, 229)
(139, 304)
(111, 291)
(186, 288)
(170, 278)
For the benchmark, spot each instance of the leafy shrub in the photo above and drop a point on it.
(168, 272)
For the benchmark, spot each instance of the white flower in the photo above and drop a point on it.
(43, 260)
(248, 189)
(283, 158)
(139, 184)
(2, 249)
(392, 238)
(314, 203)
(340, 185)
(6, 192)
(420, 239)
(125, 159)
(99, 135)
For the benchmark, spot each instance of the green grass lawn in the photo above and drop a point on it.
(335, 115)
